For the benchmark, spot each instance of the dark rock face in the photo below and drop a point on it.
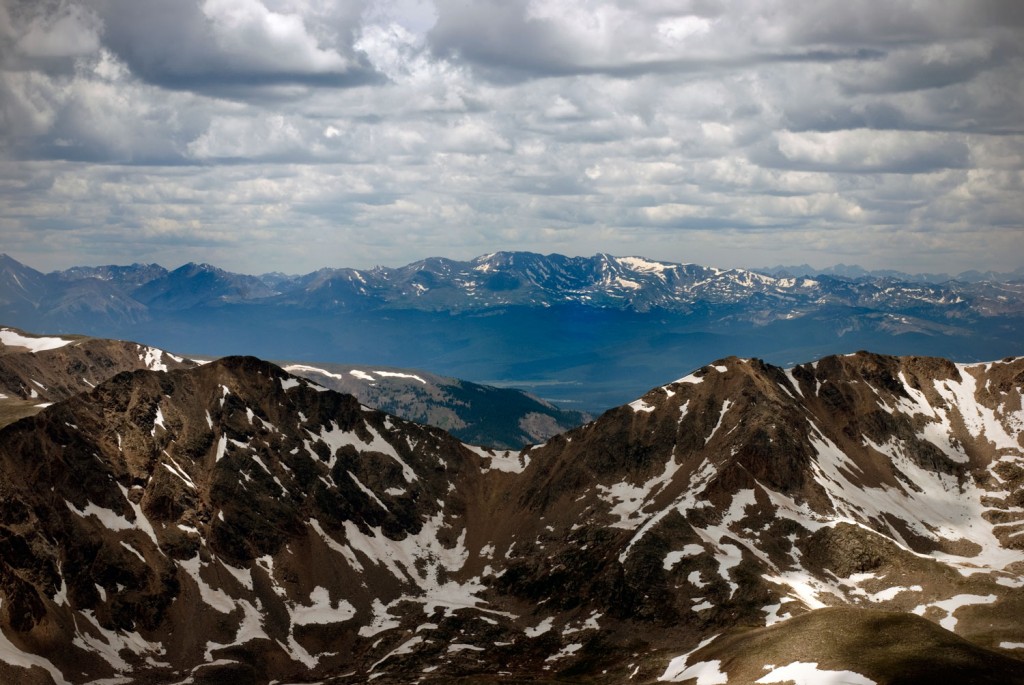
(234, 523)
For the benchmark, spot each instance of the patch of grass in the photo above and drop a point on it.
(12, 410)
(886, 647)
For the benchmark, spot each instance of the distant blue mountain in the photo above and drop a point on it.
(591, 331)
(854, 271)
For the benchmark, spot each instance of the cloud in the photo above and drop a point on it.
(294, 134)
(46, 35)
(252, 37)
(865, 151)
(233, 47)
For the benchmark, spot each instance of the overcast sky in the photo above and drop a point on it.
(289, 135)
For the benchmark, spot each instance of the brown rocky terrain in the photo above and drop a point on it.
(233, 523)
(36, 370)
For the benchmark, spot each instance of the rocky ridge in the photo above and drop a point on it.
(234, 523)
(36, 371)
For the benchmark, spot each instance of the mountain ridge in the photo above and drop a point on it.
(36, 371)
(331, 539)
(504, 418)
(601, 280)
(854, 271)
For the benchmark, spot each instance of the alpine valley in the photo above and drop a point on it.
(594, 331)
(857, 519)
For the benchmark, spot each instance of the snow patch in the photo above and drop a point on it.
(395, 374)
(344, 550)
(222, 446)
(217, 599)
(34, 344)
(109, 644)
(565, 651)
(706, 673)
(404, 648)
(367, 491)
(502, 460)
(641, 406)
(725, 408)
(673, 558)
(541, 628)
(804, 673)
(153, 359)
(677, 666)
(158, 421)
(10, 654)
(951, 605)
(321, 610)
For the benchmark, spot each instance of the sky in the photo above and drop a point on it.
(290, 135)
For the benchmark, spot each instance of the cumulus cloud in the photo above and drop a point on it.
(252, 37)
(866, 150)
(233, 47)
(46, 35)
(294, 134)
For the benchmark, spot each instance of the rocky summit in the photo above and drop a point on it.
(857, 519)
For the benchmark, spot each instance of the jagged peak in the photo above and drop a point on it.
(194, 268)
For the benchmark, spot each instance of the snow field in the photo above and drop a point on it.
(34, 344)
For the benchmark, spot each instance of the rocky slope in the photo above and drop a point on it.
(479, 414)
(232, 523)
(36, 371)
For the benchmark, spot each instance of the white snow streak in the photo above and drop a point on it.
(803, 673)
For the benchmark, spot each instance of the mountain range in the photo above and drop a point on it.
(854, 271)
(594, 331)
(855, 519)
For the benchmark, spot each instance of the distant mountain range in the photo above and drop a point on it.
(505, 418)
(590, 330)
(856, 519)
(852, 271)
